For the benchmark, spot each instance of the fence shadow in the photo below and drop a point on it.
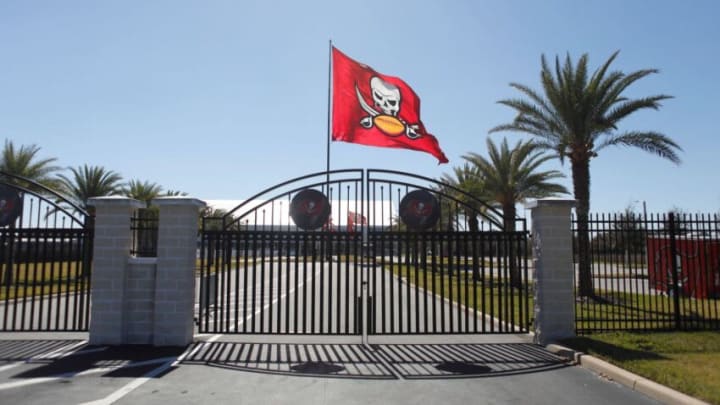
(381, 361)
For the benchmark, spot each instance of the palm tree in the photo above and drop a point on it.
(23, 162)
(511, 176)
(90, 181)
(174, 193)
(467, 179)
(141, 190)
(576, 116)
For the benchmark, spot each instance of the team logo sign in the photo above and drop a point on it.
(419, 210)
(10, 205)
(310, 209)
(387, 99)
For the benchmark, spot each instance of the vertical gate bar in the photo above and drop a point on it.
(23, 307)
(404, 261)
(55, 279)
(526, 259)
(475, 273)
(288, 270)
(245, 239)
(5, 267)
(271, 260)
(80, 286)
(313, 320)
(466, 299)
(204, 271)
(437, 253)
(65, 265)
(278, 304)
(227, 278)
(46, 268)
(348, 253)
(215, 268)
(263, 263)
(72, 287)
(495, 241)
(305, 286)
(296, 296)
(457, 278)
(675, 276)
(253, 295)
(452, 274)
(237, 241)
(419, 258)
(425, 278)
(444, 268)
(38, 260)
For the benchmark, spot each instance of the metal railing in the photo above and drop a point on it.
(657, 272)
(144, 227)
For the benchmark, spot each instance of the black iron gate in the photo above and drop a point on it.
(45, 259)
(329, 253)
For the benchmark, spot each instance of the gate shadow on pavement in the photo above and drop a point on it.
(377, 361)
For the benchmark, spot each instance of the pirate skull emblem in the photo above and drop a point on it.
(386, 98)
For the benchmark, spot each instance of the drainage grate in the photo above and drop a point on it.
(459, 367)
(317, 367)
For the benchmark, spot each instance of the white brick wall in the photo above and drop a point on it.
(111, 250)
(175, 288)
(553, 275)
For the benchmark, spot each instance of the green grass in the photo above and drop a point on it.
(686, 361)
(626, 311)
(494, 297)
(35, 279)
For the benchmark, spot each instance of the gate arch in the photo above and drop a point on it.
(366, 269)
(45, 258)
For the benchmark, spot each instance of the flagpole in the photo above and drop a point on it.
(329, 115)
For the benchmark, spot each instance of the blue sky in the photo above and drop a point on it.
(221, 99)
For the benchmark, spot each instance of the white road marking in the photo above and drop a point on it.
(131, 386)
(61, 352)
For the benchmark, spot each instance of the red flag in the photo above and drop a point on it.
(370, 108)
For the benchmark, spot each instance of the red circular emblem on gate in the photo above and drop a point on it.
(310, 209)
(10, 205)
(419, 210)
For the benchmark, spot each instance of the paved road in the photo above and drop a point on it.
(63, 370)
(324, 298)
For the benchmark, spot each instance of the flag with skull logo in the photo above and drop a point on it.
(370, 108)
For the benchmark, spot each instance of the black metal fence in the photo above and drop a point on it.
(656, 272)
(144, 227)
(45, 259)
(365, 270)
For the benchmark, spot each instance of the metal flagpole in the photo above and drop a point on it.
(329, 116)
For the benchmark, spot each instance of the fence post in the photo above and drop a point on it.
(674, 268)
(554, 301)
(175, 277)
(111, 251)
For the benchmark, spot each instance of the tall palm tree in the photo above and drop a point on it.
(511, 176)
(141, 190)
(24, 162)
(90, 181)
(467, 179)
(576, 116)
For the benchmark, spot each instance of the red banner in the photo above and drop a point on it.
(370, 108)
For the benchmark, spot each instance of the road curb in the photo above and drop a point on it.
(633, 381)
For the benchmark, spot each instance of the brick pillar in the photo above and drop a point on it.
(111, 251)
(175, 277)
(554, 271)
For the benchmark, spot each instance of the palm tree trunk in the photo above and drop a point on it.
(581, 186)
